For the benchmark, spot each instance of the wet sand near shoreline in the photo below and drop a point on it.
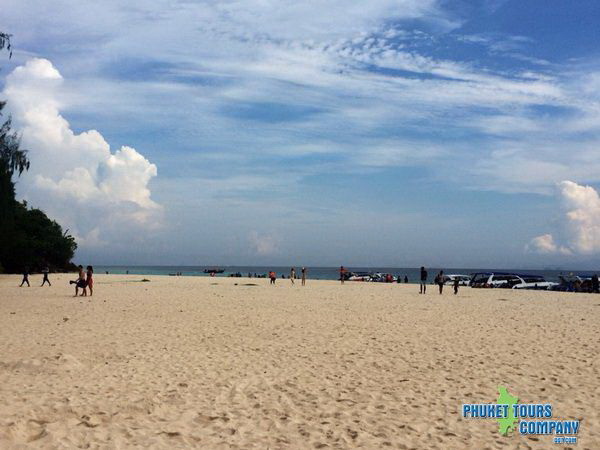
(182, 362)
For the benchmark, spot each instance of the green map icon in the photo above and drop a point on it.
(508, 423)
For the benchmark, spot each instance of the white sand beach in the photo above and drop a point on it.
(181, 362)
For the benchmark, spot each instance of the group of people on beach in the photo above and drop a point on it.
(85, 281)
(439, 279)
(292, 277)
(45, 272)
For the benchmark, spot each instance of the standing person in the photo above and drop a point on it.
(293, 274)
(80, 283)
(342, 274)
(25, 277)
(439, 279)
(405, 279)
(272, 277)
(90, 279)
(456, 283)
(423, 285)
(46, 271)
(303, 276)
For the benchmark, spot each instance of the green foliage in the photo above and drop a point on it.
(12, 157)
(28, 238)
(5, 43)
(36, 241)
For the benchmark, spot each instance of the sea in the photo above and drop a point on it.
(321, 273)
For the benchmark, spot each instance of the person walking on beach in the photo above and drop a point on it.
(423, 284)
(272, 277)
(90, 279)
(80, 283)
(405, 279)
(456, 283)
(342, 274)
(46, 271)
(293, 274)
(25, 278)
(303, 276)
(439, 279)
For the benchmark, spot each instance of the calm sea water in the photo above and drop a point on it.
(319, 273)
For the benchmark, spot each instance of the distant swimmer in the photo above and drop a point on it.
(25, 277)
(303, 276)
(439, 280)
(46, 271)
(342, 274)
(423, 284)
(292, 274)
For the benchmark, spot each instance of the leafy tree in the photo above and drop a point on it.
(12, 158)
(28, 238)
(5, 43)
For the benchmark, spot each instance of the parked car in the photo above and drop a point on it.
(463, 280)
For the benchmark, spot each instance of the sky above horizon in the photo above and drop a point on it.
(394, 133)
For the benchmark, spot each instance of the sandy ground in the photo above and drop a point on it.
(182, 362)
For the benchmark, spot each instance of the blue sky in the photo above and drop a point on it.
(393, 133)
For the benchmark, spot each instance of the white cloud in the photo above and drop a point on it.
(230, 82)
(264, 244)
(101, 196)
(580, 224)
(545, 244)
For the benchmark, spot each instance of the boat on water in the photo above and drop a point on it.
(358, 276)
(463, 280)
(214, 270)
(371, 277)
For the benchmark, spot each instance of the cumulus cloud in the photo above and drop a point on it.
(263, 244)
(580, 224)
(98, 194)
(545, 244)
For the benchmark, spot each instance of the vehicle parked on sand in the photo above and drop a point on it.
(463, 280)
